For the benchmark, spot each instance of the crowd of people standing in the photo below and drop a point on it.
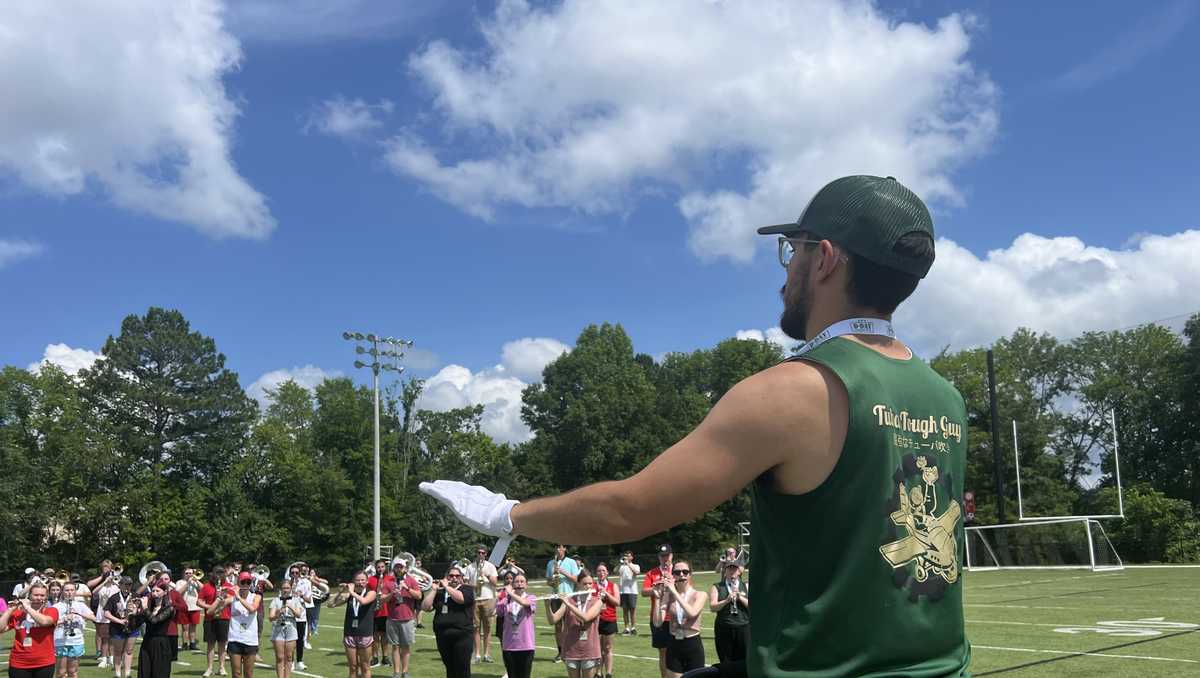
(383, 607)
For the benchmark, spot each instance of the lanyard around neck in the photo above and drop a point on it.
(876, 326)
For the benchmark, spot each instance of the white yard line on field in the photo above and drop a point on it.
(1084, 654)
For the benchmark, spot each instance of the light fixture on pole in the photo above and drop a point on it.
(379, 362)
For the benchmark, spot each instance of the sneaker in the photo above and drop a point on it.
(475, 659)
(558, 658)
(487, 658)
(207, 673)
(420, 625)
(222, 673)
(307, 645)
(387, 661)
(375, 664)
(301, 666)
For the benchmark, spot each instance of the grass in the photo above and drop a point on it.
(1013, 622)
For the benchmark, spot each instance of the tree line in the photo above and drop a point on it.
(156, 452)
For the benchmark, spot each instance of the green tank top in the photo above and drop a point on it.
(865, 570)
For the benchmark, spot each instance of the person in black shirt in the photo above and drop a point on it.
(358, 630)
(156, 611)
(453, 608)
(730, 599)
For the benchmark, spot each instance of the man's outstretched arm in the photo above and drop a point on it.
(751, 430)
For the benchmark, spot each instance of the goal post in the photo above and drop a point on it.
(1048, 544)
(1021, 517)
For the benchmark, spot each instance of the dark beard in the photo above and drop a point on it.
(794, 319)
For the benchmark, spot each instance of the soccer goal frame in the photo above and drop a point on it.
(1091, 526)
(1021, 517)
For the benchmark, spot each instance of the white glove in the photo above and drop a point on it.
(480, 508)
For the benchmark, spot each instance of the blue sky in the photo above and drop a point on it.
(473, 175)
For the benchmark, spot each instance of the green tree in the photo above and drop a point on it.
(167, 398)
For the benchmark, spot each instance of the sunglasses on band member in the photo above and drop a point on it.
(681, 573)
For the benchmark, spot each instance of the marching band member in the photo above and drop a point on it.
(55, 593)
(30, 573)
(678, 610)
(179, 616)
(108, 588)
(358, 627)
(301, 591)
(402, 593)
(106, 573)
(579, 616)
(607, 591)
(628, 573)
(660, 636)
(214, 598)
(122, 632)
(189, 588)
(375, 582)
(68, 632)
(33, 621)
(561, 573)
(314, 612)
(481, 575)
(730, 599)
(729, 555)
(286, 610)
(243, 627)
(452, 604)
(516, 607)
(158, 614)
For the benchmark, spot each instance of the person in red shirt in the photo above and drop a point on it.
(608, 618)
(181, 616)
(33, 649)
(375, 583)
(214, 598)
(401, 594)
(660, 636)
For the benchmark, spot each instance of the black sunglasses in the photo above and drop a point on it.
(681, 573)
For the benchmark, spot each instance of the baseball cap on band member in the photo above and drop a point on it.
(245, 576)
(664, 549)
(867, 215)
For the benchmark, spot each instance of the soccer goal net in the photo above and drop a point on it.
(1064, 543)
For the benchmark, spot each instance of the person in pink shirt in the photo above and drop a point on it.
(580, 614)
(516, 608)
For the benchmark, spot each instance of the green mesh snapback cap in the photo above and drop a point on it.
(867, 215)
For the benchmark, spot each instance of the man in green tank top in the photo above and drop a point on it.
(854, 450)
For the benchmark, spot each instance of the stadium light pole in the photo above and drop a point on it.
(393, 350)
(997, 459)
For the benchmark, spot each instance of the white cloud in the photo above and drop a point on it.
(772, 334)
(497, 388)
(1058, 285)
(308, 376)
(323, 20)
(526, 358)
(585, 105)
(70, 360)
(349, 119)
(15, 250)
(126, 96)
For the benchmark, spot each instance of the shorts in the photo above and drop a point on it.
(660, 636)
(68, 651)
(629, 601)
(118, 632)
(608, 628)
(360, 642)
(193, 617)
(685, 655)
(380, 624)
(216, 631)
(584, 664)
(284, 632)
(241, 649)
(46, 671)
(101, 630)
(401, 633)
(484, 611)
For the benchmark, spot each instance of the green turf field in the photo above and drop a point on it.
(1135, 622)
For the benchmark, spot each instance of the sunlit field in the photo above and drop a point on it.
(1135, 622)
